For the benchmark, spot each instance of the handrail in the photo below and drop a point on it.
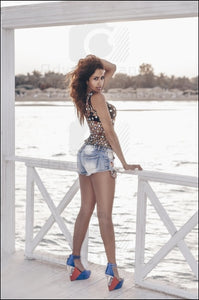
(170, 178)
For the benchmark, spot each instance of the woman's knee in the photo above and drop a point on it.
(86, 211)
(104, 217)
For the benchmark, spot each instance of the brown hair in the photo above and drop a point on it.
(78, 78)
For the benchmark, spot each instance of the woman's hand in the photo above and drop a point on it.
(132, 167)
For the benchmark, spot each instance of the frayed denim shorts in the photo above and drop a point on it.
(93, 159)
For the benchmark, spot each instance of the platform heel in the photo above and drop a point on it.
(113, 282)
(74, 272)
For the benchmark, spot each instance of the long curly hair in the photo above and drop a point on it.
(78, 82)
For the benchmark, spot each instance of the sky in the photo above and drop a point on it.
(169, 45)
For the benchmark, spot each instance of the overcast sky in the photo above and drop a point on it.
(169, 45)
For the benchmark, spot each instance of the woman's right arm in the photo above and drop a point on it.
(99, 104)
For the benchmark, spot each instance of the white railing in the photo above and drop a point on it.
(144, 191)
(177, 236)
(33, 178)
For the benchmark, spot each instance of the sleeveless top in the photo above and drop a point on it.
(97, 134)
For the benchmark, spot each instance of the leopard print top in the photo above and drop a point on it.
(97, 135)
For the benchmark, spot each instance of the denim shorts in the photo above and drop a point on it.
(93, 159)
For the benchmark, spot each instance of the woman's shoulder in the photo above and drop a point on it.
(98, 96)
(98, 101)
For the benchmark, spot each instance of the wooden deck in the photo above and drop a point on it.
(34, 279)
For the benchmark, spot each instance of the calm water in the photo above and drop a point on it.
(159, 136)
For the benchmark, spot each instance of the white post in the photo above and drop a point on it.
(8, 142)
(140, 230)
(29, 212)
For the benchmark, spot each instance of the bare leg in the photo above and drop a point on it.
(104, 188)
(81, 225)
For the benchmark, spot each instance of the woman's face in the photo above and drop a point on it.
(96, 81)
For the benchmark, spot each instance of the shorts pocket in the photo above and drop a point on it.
(90, 153)
(90, 163)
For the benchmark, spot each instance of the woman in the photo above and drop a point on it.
(95, 162)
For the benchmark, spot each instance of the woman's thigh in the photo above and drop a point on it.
(104, 188)
(88, 199)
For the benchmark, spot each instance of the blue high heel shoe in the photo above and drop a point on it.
(113, 282)
(75, 273)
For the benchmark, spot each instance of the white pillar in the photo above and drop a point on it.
(29, 211)
(8, 142)
(140, 230)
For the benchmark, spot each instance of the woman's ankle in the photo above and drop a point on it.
(115, 272)
(78, 264)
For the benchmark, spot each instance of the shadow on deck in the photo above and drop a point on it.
(34, 279)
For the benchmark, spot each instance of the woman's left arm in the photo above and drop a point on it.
(109, 70)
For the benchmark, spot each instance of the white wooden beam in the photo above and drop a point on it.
(140, 230)
(50, 221)
(29, 211)
(8, 142)
(85, 12)
(53, 208)
(172, 242)
(170, 178)
(171, 228)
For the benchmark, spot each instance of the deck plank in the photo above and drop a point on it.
(35, 279)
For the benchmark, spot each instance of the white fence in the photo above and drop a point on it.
(177, 236)
(144, 191)
(33, 178)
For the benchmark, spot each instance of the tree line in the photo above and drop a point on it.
(145, 79)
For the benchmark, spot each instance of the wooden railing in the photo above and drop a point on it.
(177, 236)
(144, 191)
(33, 178)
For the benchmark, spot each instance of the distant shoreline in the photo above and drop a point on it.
(68, 101)
(130, 94)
